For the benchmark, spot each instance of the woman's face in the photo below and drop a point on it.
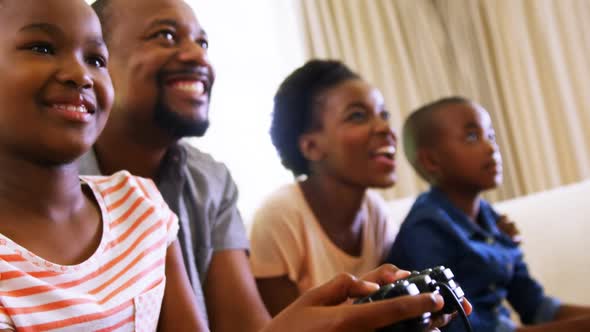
(354, 142)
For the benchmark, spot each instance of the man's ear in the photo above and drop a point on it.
(310, 146)
(428, 161)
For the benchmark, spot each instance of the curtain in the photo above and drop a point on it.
(526, 61)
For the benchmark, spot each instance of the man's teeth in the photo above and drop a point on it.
(72, 108)
(195, 87)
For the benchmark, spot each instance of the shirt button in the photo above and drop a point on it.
(490, 240)
(492, 287)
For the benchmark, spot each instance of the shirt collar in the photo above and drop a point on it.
(487, 216)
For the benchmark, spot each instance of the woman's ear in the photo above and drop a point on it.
(310, 146)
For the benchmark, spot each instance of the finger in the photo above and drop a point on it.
(467, 307)
(381, 313)
(385, 274)
(337, 290)
(439, 320)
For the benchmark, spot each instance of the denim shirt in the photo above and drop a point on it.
(487, 264)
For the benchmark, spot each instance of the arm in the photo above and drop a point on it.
(569, 311)
(580, 324)
(179, 307)
(233, 302)
(277, 292)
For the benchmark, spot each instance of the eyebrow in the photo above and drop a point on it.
(46, 27)
(170, 22)
(96, 41)
(55, 30)
(472, 125)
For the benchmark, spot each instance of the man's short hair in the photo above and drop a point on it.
(102, 8)
(420, 129)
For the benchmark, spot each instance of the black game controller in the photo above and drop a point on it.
(435, 280)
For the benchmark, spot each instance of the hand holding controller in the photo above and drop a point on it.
(435, 280)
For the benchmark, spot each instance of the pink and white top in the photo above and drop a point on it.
(119, 288)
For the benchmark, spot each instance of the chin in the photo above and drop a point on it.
(384, 183)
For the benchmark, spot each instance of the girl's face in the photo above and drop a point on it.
(354, 142)
(55, 92)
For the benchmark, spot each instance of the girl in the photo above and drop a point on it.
(90, 253)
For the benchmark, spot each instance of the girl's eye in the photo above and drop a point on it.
(97, 61)
(42, 48)
(385, 115)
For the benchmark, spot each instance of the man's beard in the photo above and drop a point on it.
(176, 125)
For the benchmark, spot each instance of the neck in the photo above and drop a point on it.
(32, 191)
(466, 201)
(123, 148)
(336, 205)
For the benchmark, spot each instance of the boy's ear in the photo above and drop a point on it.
(310, 146)
(428, 160)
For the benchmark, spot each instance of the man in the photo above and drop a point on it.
(163, 79)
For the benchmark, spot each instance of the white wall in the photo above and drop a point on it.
(253, 45)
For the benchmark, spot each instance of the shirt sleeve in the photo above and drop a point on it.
(527, 297)
(228, 230)
(275, 246)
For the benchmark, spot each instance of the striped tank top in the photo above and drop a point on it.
(119, 288)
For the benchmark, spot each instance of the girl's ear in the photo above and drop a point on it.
(428, 161)
(310, 146)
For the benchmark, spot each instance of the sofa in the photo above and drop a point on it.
(555, 225)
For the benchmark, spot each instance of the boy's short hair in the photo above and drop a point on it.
(295, 103)
(420, 130)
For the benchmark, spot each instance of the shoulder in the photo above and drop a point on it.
(426, 208)
(203, 165)
(283, 204)
(124, 186)
(285, 211)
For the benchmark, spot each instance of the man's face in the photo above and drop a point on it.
(159, 66)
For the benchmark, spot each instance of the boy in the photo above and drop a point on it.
(451, 144)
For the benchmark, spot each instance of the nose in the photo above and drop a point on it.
(191, 51)
(383, 127)
(492, 145)
(75, 73)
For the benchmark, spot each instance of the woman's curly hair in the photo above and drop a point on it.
(294, 105)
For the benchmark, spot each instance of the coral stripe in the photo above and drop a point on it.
(76, 320)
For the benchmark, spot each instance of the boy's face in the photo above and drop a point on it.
(55, 91)
(160, 67)
(355, 143)
(466, 155)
